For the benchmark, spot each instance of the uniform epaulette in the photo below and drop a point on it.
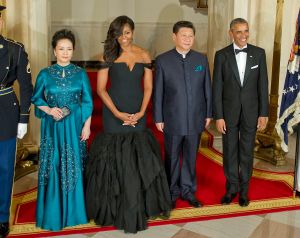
(15, 42)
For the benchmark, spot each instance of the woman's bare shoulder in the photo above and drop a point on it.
(101, 58)
(143, 54)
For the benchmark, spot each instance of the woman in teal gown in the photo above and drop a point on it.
(60, 200)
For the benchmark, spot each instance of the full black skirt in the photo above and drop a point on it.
(126, 181)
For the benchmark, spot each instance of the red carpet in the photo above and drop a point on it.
(269, 192)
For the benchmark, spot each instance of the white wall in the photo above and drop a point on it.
(154, 20)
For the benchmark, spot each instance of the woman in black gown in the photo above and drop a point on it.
(126, 181)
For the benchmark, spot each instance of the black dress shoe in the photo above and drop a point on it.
(227, 198)
(298, 194)
(194, 202)
(4, 229)
(244, 201)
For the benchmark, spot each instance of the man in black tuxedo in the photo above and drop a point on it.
(182, 109)
(240, 107)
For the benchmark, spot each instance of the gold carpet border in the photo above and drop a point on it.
(288, 179)
(21, 199)
(219, 210)
(26, 229)
(185, 213)
(181, 213)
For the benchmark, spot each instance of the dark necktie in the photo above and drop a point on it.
(236, 51)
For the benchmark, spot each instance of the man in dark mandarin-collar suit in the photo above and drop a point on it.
(240, 107)
(182, 109)
(14, 66)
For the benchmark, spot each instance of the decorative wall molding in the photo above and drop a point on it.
(106, 23)
(156, 37)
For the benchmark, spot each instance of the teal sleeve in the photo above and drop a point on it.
(86, 99)
(38, 98)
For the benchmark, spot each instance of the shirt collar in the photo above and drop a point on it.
(236, 47)
(183, 55)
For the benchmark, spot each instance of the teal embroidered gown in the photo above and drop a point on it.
(60, 200)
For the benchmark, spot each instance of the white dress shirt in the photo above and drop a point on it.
(183, 54)
(241, 59)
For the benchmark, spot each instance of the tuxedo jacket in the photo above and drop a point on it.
(182, 97)
(231, 99)
(14, 65)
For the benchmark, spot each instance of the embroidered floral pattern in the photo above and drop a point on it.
(64, 98)
(70, 169)
(56, 71)
(46, 159)
(64, 80)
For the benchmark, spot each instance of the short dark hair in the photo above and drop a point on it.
(181, 24)
(237, 21)
(63, 34)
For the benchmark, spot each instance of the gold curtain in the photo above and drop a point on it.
(3, 3)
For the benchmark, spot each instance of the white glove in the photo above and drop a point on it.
(22, 130)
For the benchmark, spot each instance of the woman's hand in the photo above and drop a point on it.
(85, 133)
(133, 119)
(129, 119)
(55, 112)
(137, 116)
(124, 117)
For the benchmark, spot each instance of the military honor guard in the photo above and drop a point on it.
(14, 117)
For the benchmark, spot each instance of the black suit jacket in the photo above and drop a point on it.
(182, 92)
(14, 66)
(230, 98)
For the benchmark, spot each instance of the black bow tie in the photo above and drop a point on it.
(236, 51)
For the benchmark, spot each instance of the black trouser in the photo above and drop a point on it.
(238, 146)
(181, 176)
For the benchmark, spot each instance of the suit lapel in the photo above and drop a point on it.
(233, 64)
(248, 64)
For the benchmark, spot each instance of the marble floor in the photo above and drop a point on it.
(272, 225)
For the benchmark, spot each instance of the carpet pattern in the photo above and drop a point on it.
(269, 191)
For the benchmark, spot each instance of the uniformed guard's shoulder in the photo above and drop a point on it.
(16, 43)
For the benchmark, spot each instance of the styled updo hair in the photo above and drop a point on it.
(112, 49)
(63, 34)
